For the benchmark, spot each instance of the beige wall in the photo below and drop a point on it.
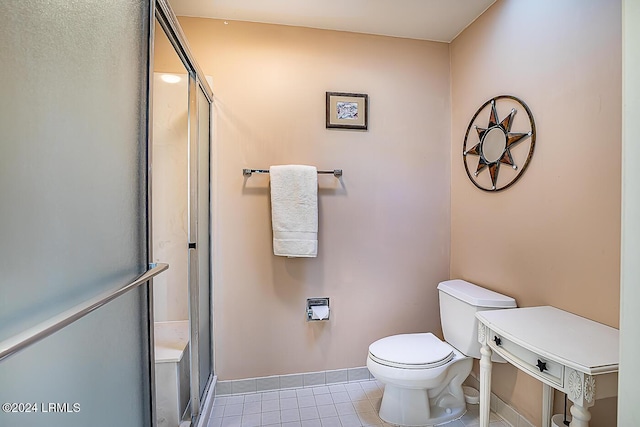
(554, 237)
(383, 229)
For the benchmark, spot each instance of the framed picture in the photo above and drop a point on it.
(347, 110)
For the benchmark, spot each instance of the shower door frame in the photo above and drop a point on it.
(197, 82)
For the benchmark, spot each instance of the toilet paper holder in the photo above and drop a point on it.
(317, 309)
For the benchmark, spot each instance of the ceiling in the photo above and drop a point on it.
(437, 20)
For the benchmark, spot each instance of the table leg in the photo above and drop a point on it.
(547, 404)
(580, 416)
(485, 384)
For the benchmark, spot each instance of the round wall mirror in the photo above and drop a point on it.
(495, 142)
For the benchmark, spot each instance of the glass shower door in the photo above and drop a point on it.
(200, 277)
(199, 201)
(205, 361)
(73, 212)
(199, 246)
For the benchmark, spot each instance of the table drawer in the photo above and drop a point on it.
(536, 365)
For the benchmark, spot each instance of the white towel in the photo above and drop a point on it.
(294, 210)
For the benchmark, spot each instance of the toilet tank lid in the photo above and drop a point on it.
(476, 295)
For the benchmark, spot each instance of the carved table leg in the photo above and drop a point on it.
(547, 404)
(581, 416)
(581, 390)
(485, 384)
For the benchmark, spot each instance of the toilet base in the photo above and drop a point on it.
(410, 407)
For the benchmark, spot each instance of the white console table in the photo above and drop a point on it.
(567, 352)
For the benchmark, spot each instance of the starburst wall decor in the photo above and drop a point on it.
(499, 143)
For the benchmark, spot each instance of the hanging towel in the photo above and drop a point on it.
(294, 210)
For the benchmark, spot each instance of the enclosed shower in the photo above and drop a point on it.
(180, 218)
(93, 210)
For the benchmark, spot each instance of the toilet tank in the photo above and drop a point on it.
(459, 302)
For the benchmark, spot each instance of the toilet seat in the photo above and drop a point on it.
(411, 351)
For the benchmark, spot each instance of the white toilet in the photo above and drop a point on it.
(423, 375)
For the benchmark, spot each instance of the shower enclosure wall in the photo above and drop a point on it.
(170, 162)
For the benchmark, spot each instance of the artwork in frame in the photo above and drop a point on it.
(347, 110)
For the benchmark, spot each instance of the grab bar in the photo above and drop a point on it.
(247, 172)
(42, 330)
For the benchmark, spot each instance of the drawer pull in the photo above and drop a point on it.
(542, 365)
(497, 340)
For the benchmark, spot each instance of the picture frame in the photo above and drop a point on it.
(347, 110)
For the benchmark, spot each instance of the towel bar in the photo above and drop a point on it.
(247, 172)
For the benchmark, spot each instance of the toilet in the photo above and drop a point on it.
(423, 375)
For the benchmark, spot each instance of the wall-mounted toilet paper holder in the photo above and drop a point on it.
(317, 309)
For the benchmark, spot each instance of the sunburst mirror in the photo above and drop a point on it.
(500, 150)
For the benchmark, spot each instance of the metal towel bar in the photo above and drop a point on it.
(42, 330)
(247, 172)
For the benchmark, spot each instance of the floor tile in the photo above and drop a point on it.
(217, 411)
(350, 421)
(234, 400)
(336, 388)
(373, 393)
(357, 395)
(369, 419)
(220, 400)
(337, 405)
(353, 387)
(231, 410)
(311, 423)
(270, 418)
(289, 403)
(340, 397)
(251, 420)
(234, 421)
(252, 407)
(271, 405)
(323, 399)
(309, 413)
(363, 406)
(287, 394)
(304, 392)
(270, 395)
(257, 397)
(288, 415)
(369, 385)
(330, 422)
(321, 390)
(326, 411)
(345, 408)
(306, 401)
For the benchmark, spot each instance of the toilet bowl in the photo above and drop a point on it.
(423, 375)
(423, 379)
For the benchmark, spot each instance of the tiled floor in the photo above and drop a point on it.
(340, 405)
